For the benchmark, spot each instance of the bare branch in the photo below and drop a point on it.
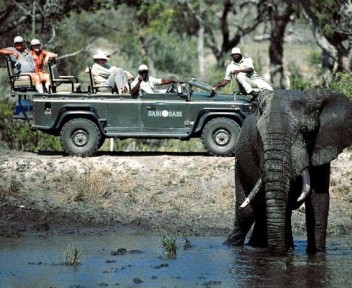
(74, 53)
(24, 10)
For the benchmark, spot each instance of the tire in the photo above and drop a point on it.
(220, 135)
(80, 137)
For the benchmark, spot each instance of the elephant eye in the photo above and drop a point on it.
(304, 129)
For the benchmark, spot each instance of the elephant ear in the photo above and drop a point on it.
(335, 130)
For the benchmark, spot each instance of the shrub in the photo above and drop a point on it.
(298, 83)
(17, 135)
(72, 255)
(342, 82)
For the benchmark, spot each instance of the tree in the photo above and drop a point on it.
(280, 15)
(236, 19)
(330, 22)
(41, 17)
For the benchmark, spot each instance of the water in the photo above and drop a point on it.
(35, 261)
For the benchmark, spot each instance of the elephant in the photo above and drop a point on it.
(282, 160)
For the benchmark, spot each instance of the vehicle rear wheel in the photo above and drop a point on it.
(80, 137)
(220, 135)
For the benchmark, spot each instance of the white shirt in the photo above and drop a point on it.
(245, 62)
(147, 86)
(101, 73)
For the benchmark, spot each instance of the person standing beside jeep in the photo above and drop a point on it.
(23, 62)
(242, 69)
(145, 83)
(41, 58)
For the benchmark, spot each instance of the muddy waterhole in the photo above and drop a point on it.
(132, 258)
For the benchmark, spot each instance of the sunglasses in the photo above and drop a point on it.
(143, 71)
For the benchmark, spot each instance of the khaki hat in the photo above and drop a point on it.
(101, 55)
(18, 39)
(236, 50)
(35, 42)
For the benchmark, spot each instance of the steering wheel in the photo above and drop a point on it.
(172, 88)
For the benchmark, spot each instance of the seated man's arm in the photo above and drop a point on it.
(167, 81)
(6, 51)
(135, 86)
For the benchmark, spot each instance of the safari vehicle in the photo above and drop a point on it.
(83, 120)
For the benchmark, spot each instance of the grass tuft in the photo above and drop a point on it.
(169, 244)
(72, 255)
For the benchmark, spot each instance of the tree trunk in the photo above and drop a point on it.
(200, 45)
(279, 24)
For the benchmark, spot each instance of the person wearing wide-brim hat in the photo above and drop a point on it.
(106, 75)
(242, 70)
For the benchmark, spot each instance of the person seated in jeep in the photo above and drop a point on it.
(242, 69)
(112, 76)
(41, 57)
(145, 83)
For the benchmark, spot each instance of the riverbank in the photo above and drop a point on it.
(189, 194)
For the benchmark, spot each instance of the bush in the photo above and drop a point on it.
(298, 83)
(342, 82)
(17, 135)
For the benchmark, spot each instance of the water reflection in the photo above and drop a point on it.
(292, 271)
(37, 262)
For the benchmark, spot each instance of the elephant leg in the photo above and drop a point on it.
(317, 210)
(259, 236)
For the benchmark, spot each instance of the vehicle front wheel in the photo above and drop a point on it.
(220, 135)
(80, 137)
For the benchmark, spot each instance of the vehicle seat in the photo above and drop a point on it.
(19, 82)
(93, 88)
(60, 83)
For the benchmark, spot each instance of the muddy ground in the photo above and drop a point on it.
(190, 194)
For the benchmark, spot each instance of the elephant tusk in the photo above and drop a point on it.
(254, 191)
(306, 185)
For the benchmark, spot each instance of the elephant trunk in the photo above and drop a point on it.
(277, 186)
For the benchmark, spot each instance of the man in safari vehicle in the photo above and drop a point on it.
(242, 69)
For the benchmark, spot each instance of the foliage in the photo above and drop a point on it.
(16, 134)
(331, 21)
(342, 82)
(169, 244)
(41, 16)
(88, 187)
(72, 255)
(9, 186)
(299, 83)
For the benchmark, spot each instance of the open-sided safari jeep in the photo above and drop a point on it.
(83, 120)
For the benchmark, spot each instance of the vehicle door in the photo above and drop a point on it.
(122, 113)
(165, 112)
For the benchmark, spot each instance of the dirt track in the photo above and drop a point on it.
(191, 194)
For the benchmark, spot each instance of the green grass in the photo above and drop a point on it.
(169, 244)
(72, 255)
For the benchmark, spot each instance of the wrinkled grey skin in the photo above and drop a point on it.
(291, 131)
